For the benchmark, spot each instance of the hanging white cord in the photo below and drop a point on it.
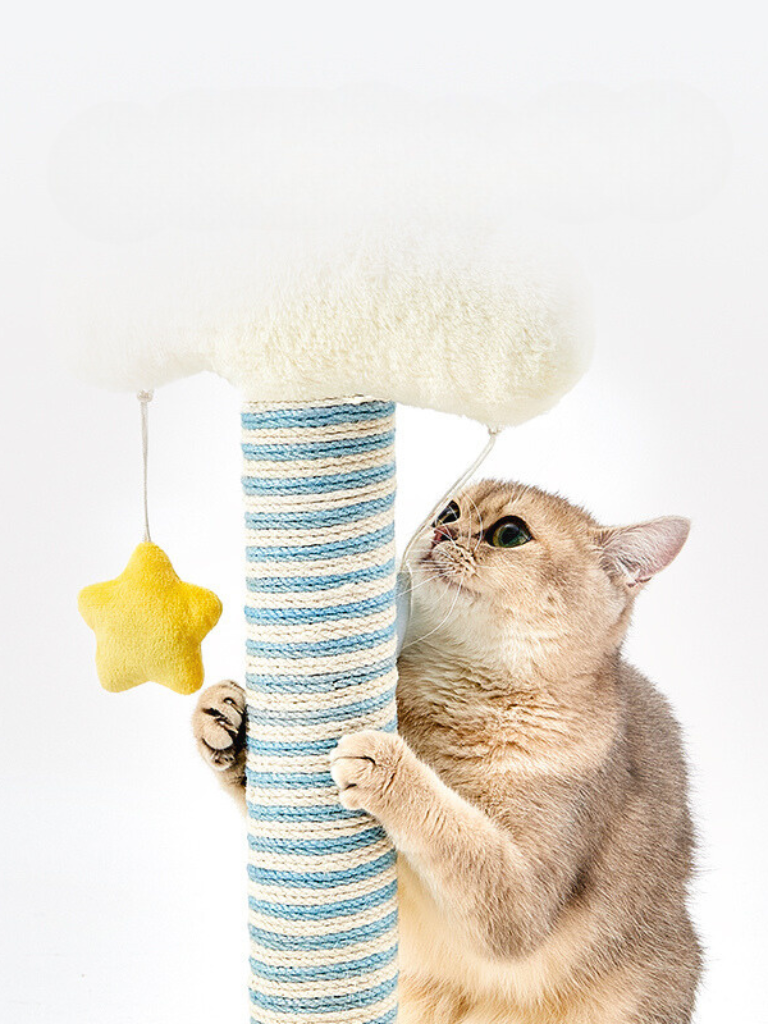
(145, 397)
(493, 433)
(404, 584)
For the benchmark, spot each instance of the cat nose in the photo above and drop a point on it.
(442, 533)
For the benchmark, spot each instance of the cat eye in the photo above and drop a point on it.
(509, 532)
(449, 514)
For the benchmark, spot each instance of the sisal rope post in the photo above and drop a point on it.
(319, 487)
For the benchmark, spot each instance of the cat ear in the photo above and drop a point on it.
(636, 553)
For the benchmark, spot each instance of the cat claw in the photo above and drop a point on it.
(364, 766)
(218, 725)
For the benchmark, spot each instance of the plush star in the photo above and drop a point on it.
(149, 625)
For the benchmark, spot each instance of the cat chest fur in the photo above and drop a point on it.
(445, 981)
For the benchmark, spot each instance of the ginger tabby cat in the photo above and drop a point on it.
(537, 791)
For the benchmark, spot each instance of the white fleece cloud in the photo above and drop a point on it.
(307, 244)
(426, 319)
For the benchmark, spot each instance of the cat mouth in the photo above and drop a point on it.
(451, 576)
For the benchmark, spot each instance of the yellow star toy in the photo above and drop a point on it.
(149, 625)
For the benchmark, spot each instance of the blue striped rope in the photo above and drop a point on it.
(312, 450)
(341, 414)
(286, 780)
(321, 716)
(290, 748)
(353, 610)
(322, 911)
(324, 682)
(314, 814)
(320, 620)
(285, 486)
(310, 584)
(297, 748)
(322, 879)
(321, 648)
(326, 1004)
(329, 549)
(312, 847)
(334, 940)
(388, 1018)
(322, 519)
(325, 972)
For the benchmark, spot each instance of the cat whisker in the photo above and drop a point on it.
(436, 573)
(445, 618)
(473, 505)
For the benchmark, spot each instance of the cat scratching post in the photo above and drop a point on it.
(319, 486)
(445, 326)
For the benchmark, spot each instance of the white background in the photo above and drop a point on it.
(121, 865)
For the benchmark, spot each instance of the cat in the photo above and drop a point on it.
(536, 792)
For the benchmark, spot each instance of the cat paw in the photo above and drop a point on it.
(365, 767)
(218, 724)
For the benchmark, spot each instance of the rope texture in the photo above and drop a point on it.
(319, 486)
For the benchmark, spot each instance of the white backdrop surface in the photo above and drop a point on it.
(122, 879)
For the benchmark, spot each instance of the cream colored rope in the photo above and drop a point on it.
(319, 482)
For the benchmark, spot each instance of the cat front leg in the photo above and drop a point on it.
(504, 899)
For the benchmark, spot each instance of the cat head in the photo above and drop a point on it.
(512, 573)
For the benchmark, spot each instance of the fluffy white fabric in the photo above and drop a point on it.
(432, 321)
(314, 244)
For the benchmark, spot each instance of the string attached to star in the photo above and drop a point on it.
(149, 624)
(145, 397)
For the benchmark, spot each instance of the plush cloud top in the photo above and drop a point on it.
(310, 244)
(431, 321)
